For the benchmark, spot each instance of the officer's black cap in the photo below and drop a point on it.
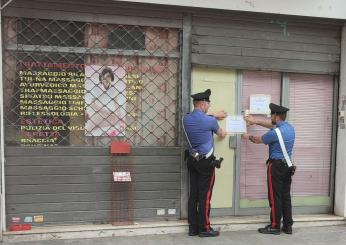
(204, 96)
(277, 109)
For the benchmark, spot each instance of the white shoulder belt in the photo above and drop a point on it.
(283, 147)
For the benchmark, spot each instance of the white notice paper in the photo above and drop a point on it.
(235, 125)
(259, 104)
(122, 176)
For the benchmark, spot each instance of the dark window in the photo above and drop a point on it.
(50, 33)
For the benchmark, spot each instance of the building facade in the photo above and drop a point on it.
(78, 75)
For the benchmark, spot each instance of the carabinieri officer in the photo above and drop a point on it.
(279, 175)
(199, 128)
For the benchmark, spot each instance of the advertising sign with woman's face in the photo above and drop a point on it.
(105, 100)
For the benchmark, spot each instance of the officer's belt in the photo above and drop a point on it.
(206, 156)
(276, 161)
(209, 153)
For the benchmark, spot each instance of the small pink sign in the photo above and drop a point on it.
(15, 219)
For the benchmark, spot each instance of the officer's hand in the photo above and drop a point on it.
(220, 115)
(221, 133)
(245, 136)
(255, 139)
(250, 119)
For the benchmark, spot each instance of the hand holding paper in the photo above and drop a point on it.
(250, 119)
(219, 115)
(245, 136)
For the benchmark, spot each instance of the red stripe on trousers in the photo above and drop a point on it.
(271, 194)
(207, 205)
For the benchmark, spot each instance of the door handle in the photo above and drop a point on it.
(233, 142)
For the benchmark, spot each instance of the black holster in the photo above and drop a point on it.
(216, 163)
(292, 169)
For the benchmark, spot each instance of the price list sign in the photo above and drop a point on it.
(51, 94)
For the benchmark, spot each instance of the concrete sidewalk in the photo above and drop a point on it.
(330, 235)
(226, 223)
(147, 229)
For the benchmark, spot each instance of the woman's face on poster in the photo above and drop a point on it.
(106, 80)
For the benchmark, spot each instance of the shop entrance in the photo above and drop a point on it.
(240, 186)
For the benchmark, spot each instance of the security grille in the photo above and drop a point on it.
(86, 84)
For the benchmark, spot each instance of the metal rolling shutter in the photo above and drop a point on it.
(260, 42)
(310, 102)
(72, 184)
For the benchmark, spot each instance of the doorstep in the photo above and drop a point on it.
(229, 223)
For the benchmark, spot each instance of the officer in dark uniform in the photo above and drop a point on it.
(199, 128)
(279, 174)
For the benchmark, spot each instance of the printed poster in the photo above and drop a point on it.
(105, 100)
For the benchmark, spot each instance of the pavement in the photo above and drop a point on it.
(327, 235)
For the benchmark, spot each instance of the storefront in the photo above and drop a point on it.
(74, 82)
(80, 75)
(294, 63)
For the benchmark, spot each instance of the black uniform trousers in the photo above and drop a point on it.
(279, 187)
(202, 178)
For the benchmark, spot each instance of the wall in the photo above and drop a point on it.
(340, 173)
(266, 43)
(315, 8)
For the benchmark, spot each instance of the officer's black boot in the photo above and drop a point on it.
(269, 230)
(210, 233)
(287, 230)
(193, 230)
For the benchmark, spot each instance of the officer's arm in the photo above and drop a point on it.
(252, 138)
(221, 133)
(219, 115)
(262, 122)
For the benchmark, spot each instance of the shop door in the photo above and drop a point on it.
(223, 97)
(252, 168)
